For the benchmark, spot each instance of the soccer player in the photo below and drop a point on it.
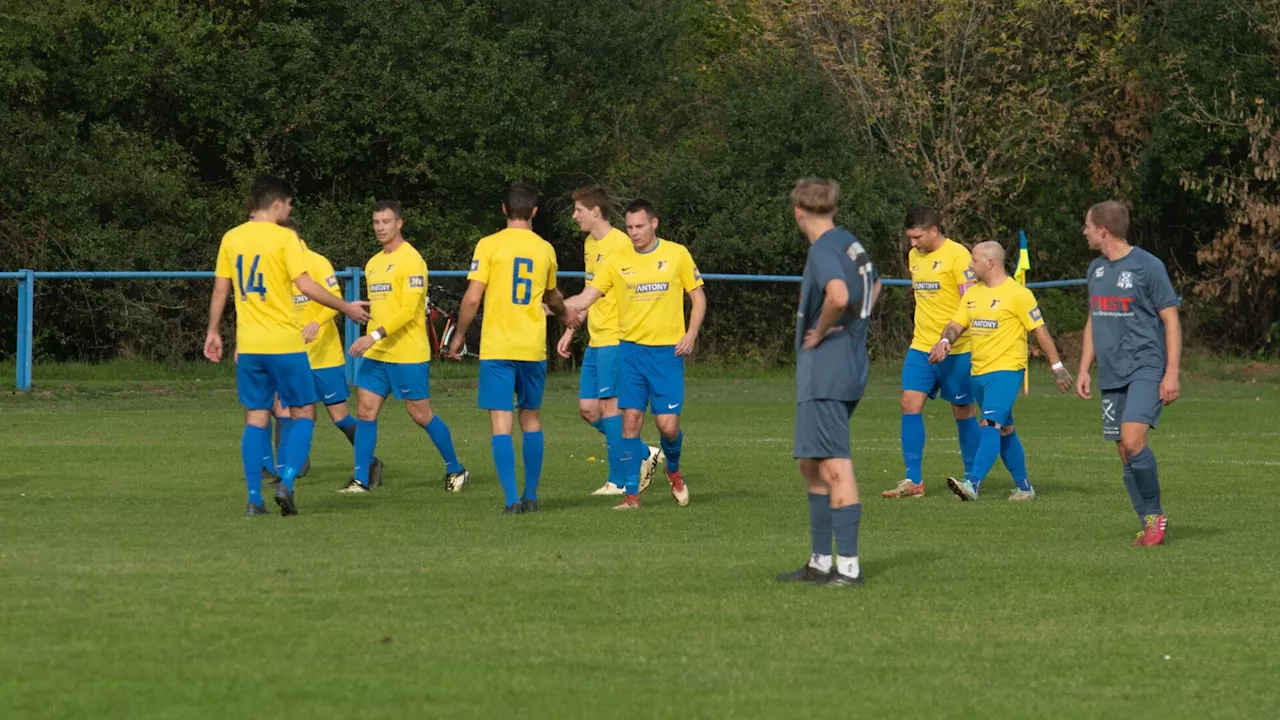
(939, 277)
(324, 352)
(396, 352)
(836, 295)
(1134, 331)
(263, 262)
(514, 272)
(650, 279)
(601, 368)
(998, 313)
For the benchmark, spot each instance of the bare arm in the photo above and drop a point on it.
(217, 305)
(696, 315)
(875, 292)
(317, 292)
(1169, 386)
(835, 298)
(554, 300)
(1086, 360)
(1060, 374)
(942, 348)
(580, 302)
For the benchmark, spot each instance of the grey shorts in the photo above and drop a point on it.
(1137, 402)
(822, 429)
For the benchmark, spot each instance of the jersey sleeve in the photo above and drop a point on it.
(690, 277)
(552, 268)
(222, 266)
(480, 263)
(604, 279)
(294, 259)
(1029, 311)
(1159, 289)
(960, 271)
(324, 275)
(961, 317)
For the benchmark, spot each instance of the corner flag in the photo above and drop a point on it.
(1020, 277)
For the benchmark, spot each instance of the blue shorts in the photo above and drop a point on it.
(331, 385)
(652, 376)
(501, 379)
(407, 381)
(260, 377)
(950, 377)
(995, 393)
(601, 373)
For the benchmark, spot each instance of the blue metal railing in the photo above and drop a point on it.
(351, 291)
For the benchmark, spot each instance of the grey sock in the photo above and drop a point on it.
(844, 520)
(1147, 480)
(1135, 496)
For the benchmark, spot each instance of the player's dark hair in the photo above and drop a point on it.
(520, 201)
(639, 204)
(922, 218)
(267, 190)
(391, 205)
(594, 196)
(1113, 216)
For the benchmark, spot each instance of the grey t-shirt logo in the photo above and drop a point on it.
(1126, 281)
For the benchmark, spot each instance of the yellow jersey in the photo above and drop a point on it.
(397, 284)
(326, 350)
(998, 320)
(262, 260)
(650, 288)
(602, 320)
(517, 267)
(939, 279)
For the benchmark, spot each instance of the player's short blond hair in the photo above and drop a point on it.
(819, 196)
(1113, 216)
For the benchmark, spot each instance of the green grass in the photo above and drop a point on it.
(131, 586)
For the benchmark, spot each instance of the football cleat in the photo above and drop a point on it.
(284, 498)
(453, 482)
(1022, 495)
(650, 466)
(375, 474)
(252, 510)
(679, 490)
(353, 487)
(608, 488)
(630, 502)
(836, 579)
(963, 488)
(513, 509)
(808, 573)
(529, 506)
(1153, 530)
(906, 488)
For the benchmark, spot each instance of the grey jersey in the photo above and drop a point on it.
(836, 369)
(1125, 300)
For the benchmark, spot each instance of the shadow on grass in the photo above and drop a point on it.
(888, 567)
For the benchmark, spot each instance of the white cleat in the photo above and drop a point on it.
(650, 466)
(454, 482)
(609, 489)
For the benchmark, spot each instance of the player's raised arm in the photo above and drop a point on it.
(357, 311)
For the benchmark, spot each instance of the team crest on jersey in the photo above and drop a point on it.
(389, 266)
(415, 281)
(662, 264)
(937, 264)
(599, 257)
(331, 281)
(1099, 272)
(1126, 280)
(475, 265)
(1035, 313)
(995, 303)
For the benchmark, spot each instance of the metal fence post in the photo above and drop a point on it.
(352, 294)
(26, 328)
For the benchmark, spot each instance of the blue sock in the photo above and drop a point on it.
(439, 433)
(282, 455)
(1015, 459)
(531, 448)
(300, 434)
(268, 455)
(913, 445)
(988, 453)
(845, 521)
(251, 444)
(820, 523)
(1147, 479)
(672, 450)
(1135, 495)
(366, 441)
(634, 453)
(970, 435)
(348, 427)
(613, 442)
(602, 425)
(504, 460)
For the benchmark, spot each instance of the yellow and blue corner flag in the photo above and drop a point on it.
(1020, 277)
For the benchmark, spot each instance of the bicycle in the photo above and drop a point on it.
(447, 322)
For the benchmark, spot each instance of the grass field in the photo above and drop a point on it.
(131, 585)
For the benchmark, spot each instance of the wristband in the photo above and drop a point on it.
(944, 340)
(1056, 366)
(376, 335)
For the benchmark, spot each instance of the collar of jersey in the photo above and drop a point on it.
(655, 247)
